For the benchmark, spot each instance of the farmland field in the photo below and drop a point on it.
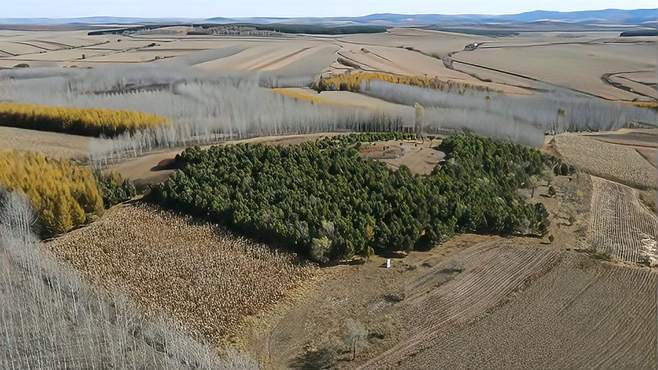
(53, 144)
(403, 51)
(621, 227)
(201, 275)
(536, 62)
(561, 316)
(210, 194)
(593, 156)
(53, 318)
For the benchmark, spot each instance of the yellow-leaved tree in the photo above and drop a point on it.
(81, 121)
(63, 194)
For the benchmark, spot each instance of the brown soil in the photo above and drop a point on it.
(367, 294)
(419, 156)
(52, 144)
(144, 170)
(651, 155)
(479, 295)
(647, 138)
(575, 313)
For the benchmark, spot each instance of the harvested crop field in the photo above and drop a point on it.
(643, 138)
(611, 161)
(651, 155)
(620, 226)
(459, 290)
(580, 313)
(199, 274)
(52, 144)
(578, 64)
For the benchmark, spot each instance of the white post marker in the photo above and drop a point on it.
(388, 263)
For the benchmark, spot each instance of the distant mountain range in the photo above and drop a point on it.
(637, 17)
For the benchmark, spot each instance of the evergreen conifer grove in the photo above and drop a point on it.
(324, 200)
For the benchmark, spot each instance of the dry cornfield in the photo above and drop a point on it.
(615, 162)
(201, 275)
(620, 226)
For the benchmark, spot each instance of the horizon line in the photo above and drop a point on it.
(338, 16)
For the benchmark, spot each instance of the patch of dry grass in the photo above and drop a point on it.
(203, 276)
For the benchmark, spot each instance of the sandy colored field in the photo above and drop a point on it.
(641, 138)
(573, 313)
(419, 156)
(575, 66)
(620, 226)
(397, 61)
(135, 56)
(651, 155)
(300, 57)
(611, 161)
(430, 42)
(350, 99)
(52, 144)
(579, 61)
(201, 275)
(628, 80)
(63, 55)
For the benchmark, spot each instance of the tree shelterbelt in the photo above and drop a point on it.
(324, 200)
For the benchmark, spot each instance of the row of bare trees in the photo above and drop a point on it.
(202, 110)
(50, 318)
(554, 111)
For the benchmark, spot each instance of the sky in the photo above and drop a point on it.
(292, 8)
